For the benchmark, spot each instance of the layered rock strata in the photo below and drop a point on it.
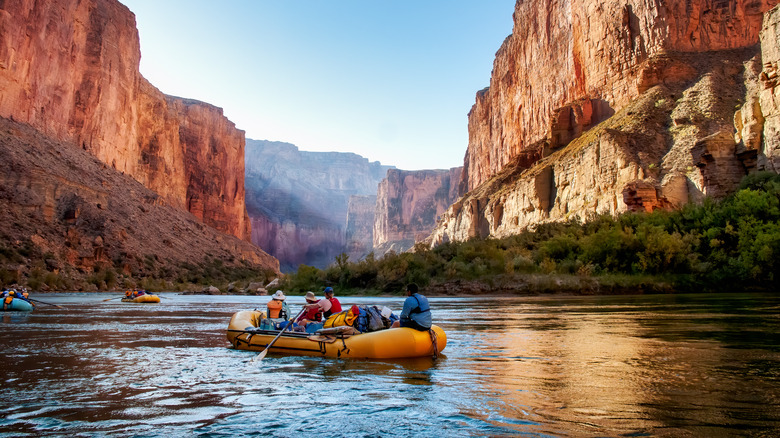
(298, 200)
(408, 205)
(70, 70)
(570, 65)
(601, 108)
(760, 116)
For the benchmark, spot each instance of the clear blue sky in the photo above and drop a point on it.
(390, 80)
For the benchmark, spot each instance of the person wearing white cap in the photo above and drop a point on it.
(277, 307)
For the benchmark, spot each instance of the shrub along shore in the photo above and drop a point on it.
(729, 245)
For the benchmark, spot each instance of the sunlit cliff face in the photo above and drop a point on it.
(70, 70)
(602, 108)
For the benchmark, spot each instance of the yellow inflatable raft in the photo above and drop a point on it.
(146, 298)
(394, 343)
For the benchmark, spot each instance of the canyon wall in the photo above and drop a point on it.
(408, 204)
(298, 201)
(70, 70)
(71, 222)
(569, 65)
(600, 108)
(359, 232)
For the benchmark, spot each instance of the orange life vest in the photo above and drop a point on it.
(274, 308)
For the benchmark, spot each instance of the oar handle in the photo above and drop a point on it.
(267, 347)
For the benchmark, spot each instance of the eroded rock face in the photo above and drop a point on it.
(298, 200)
(596, 57)
(408, 205)
(70, 70)
(600, 108)
(63, 206)
(360, 226)
(763, 108)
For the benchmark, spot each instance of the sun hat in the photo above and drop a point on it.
(310, 296)
(279, 295)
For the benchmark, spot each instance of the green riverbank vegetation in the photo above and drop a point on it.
(727, 245)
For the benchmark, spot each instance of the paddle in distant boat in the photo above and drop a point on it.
(44, 302)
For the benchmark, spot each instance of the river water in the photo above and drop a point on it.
(677, 366)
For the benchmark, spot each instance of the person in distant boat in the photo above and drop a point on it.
(335, 305)
(416, 313)
(9, 295)
(277, 307)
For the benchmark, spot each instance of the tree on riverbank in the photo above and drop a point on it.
(732, 244)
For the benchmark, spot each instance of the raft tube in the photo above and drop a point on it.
(394, 343)
(19, 304)
(146, 298)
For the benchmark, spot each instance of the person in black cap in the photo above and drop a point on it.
(335, 305)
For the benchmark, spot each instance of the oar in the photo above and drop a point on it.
(115, 298)
(262, 354)
(44, 302)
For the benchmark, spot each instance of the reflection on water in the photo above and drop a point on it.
(595, 366)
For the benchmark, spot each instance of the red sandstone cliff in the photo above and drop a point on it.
(70, 70)
(408, 203)
(603, 107)
(570, 65)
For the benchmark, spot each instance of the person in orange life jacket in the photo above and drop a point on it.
(277, 308)
(313, 313)
(335, 305)
(416, 313)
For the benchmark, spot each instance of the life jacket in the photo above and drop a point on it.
(342, 318)
(335, 307)
(313, 314)
(419, 308)
(275, 309)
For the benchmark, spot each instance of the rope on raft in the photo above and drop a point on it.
(435, 343)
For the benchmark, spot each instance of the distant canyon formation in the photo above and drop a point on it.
(69, 70)
(408, 205)
(309, 207)
(606, 107)
(298, 201)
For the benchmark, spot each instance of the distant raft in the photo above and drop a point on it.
(394, 343)
(17, 304)
(146, 298)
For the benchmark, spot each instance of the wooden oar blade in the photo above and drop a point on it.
(260, 356)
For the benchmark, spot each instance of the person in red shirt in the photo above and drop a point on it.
(313, 312)
(335, 305)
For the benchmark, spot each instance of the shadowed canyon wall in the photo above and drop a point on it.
(360, 226)
(70, 70)
(408, 203)
(604, 107)
(298, 201)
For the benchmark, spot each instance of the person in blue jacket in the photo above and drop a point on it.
(416, 313)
